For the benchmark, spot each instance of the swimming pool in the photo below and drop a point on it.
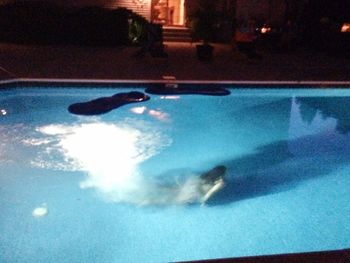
(123, 186)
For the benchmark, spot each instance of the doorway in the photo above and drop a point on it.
(168, 12)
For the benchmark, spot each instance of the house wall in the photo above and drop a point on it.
(142, 7)
(271, 11)
(221, 5)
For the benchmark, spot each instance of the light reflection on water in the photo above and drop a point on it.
(301, 126)
(108, 153)
(154, 113)
(319, 126)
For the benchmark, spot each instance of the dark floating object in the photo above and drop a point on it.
(187, 90)
(106, 104)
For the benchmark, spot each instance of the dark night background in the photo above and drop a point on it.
(85, 22)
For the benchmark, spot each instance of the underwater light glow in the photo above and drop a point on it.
(138, 110)
(157, 114)
(109, 154)
(40, 211)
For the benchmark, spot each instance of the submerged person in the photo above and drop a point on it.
(212, 182)
(194, 189)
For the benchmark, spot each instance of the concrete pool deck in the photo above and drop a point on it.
(119, 64)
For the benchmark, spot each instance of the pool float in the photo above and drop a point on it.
(211, 90)
(106, 104)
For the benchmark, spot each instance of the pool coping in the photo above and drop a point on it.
(99, 82)
(340, 256)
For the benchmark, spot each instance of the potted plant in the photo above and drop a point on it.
(203, 25)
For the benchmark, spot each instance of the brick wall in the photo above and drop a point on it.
(141, 7)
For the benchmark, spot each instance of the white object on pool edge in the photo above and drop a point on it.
(40, 211)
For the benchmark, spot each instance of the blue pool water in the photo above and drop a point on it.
(121, 187)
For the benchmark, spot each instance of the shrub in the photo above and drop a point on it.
(137, 29)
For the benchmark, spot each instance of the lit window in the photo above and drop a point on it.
(265, 30)
(345, 28)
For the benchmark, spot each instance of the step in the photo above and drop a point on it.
(178, 39)
(172, 34)
(177, 34)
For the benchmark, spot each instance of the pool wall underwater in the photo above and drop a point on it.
(179, 177)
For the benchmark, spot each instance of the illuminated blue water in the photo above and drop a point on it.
(119, 187)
